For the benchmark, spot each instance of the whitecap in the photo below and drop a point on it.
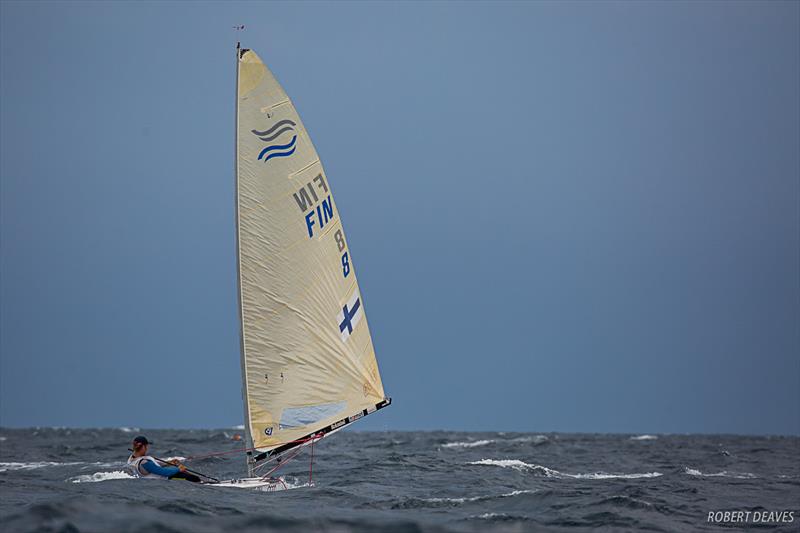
(467, 444)
(489, 516)
(5, 467)
(451, 500)
(101, 476)
(517, 493)
(115, 464)
(125, 429)
(289, 485)
(478, 498)
(603, 475)
(239, 427)
(644, 437)
(3, 439)
(516, 464)
(536, 439)
(724, 473)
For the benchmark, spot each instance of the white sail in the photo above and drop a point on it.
(307, 357)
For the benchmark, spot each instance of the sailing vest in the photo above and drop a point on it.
(134, 464)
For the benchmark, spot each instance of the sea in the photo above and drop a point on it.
(74, 480)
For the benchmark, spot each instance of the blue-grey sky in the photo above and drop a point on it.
(565, 216)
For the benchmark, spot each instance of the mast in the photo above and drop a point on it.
(248, 439)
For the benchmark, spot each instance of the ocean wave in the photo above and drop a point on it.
(724, 473)
(439, 502)
(479, 498)
(627, 501)
(5, 467)
(644, 437)
(492, 516)
(126, 429)
(535, 439)
(516, 464)
(498, 517)
(603, 475)
(101, 476)
(115, 464)
(467, 444)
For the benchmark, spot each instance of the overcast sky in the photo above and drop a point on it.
(566, 216)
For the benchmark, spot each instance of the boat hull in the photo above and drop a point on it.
(257, 483)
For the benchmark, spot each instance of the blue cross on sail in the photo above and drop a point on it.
(350, 315)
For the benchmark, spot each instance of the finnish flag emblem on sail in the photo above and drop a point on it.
(350, 315)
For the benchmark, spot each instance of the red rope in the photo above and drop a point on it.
(280, 464)
(311, 464)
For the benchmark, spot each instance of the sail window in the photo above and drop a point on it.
(293, 417)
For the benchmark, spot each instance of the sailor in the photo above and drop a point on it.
(142, 465)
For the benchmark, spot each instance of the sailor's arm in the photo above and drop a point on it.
(153, 468)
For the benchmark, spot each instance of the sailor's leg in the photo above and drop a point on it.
(187, 476)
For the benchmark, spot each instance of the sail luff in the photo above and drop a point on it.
(248, 437)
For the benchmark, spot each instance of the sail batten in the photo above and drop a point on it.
(308, 363)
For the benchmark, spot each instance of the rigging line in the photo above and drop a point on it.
(283, 459)
(277, 466)
(214, 454)
(241, 450)
(287, 456)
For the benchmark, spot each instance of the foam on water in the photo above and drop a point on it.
(492, 516)
(471, 444)
(397, 481)
(516, 464)
(479, 498)
(644, 437)
(603, 475)
(535, 439)
(724, 473)
(5, 467)
(101, 476)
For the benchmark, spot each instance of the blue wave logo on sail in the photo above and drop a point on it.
(278, 146)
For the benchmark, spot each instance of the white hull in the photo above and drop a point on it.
(257, 483)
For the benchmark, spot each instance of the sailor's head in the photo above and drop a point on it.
(140, 443)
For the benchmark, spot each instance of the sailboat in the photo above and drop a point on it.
(308, 363)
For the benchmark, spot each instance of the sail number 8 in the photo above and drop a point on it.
(345, 259)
